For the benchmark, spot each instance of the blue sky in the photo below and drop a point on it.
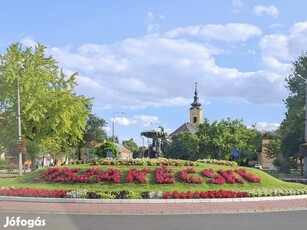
(143, 57)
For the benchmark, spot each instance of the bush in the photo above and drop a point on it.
(102, 150)
(107, 195)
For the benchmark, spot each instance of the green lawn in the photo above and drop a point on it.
(267, 181)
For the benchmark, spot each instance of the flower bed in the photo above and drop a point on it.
(230, 177)
(214, 178)
(164, 176)
(133, 175)
(295, 180)
(204, 195)
(124, 194)
(218, 162)
(72, 176)
(30, 192)
(248, 176)
(183, 175)
(137, 161)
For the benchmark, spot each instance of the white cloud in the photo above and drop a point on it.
(151, 22)
(147, 120)
(275, 45)
(124, 121)
(269, 10)
(159, 70)
(297, 38)
(298, 28)
(144, 120)
(228, 32)
(265, 126)
(28, 42)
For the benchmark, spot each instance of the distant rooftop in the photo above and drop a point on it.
(185, 128)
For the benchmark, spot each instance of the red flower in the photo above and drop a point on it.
(189, 179)
(248, 176)
(133, 174)
(164, 176)
(229, 177)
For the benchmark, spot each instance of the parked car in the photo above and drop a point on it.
(258, 166)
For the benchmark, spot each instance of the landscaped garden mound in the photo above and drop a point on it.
(150, 178)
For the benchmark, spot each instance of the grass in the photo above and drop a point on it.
(267, 181)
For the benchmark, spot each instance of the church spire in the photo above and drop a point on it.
(196, 103)
(196, 112)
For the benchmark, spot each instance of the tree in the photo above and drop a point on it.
(51, 114)
(107, 147)
(292, 127)
(183, 146)
(217, 140)
(274, 146)
(131, 145)
(94, 130)
(140, 152)
(94, 133)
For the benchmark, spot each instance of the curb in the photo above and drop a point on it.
(147, 201)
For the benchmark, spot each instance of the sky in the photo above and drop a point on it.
(140, 59)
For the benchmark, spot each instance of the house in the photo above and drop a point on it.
(124, 153)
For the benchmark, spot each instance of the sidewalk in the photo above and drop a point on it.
(137, 207)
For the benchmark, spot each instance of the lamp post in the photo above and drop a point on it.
(19, 129)
(305, 156)
(113, 133)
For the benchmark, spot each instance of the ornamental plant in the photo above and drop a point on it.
(229, 176)
(164, 176)
(30, 192)
(204, 194)
(183, 175)
(109, 175)
(248, 176)
(218, 162)
(134, 174)
(214, 178)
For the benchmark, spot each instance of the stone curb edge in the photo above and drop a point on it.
(146, 201)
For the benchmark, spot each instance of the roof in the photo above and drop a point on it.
(185, 128)
(122, 149)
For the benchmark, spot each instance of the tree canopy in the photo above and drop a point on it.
(131, 145)
(218, 139)
(292, 127)
(183, 146)
(52, 115)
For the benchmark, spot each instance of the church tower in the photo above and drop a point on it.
(196, 112)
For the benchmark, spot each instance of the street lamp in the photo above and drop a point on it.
(18, 115)
(305, 157)
(19, 128)
(113, 134)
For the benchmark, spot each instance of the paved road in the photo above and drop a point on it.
(294, 220)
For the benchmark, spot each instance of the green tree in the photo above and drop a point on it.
(274, 146)
(183, 146)
(140, 152)
(131, 145)
(217, 140)
(102, 150)
(94, 130)
(51, 114)
(292, 127)
(94, 133)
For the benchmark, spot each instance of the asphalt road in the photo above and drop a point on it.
(294, 220)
